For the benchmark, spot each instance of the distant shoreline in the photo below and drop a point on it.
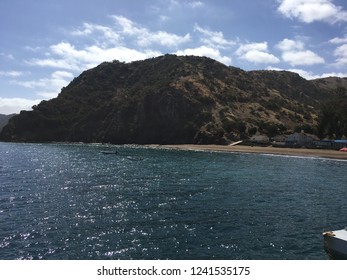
(304, 152)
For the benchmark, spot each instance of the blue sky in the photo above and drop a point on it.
(46, 43)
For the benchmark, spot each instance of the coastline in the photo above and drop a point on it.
(303, 152)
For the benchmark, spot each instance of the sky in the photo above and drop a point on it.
(44, 44)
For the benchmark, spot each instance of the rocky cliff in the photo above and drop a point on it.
(172, 99)
(4, 120)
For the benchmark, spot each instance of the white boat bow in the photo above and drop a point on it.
(335, 244)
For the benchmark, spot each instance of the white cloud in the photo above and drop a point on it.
(164, 18)
(337, 40)
(11, 73)
(48, 87)
(66, 56)
(15, 105)
(214, 38)
(309, 75)
(104, 35)
(7, 55)
(55, 63)
(124, 28)
(119, 53)
(115, 43)
(256, 53)
(332, 74)
(32, 49)
(173, 4)
(206, 51)
(66, 49)
(127, 26)
(256, 56)
(309, 11)
(144, 37)
(341, 54)
(196, 4)
(162, 38)
(303, 73)
(302, 58)
(341, 51)
(290, 45)
(294, 53)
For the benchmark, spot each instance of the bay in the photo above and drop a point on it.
(94, 201)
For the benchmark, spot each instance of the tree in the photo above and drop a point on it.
(332, 119)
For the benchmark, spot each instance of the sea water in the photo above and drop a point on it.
(93, 201)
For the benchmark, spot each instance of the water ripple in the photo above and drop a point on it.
(73, 201)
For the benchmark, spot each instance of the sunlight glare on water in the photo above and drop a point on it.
(79, 201)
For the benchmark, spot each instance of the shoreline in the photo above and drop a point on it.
(302, 152)
(270, 150)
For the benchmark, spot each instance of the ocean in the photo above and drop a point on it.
(94, 201)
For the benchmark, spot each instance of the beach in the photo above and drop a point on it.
(304, 152)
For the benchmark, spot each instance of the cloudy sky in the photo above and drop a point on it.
(46, 43)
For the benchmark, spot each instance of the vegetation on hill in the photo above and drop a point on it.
(332, 122)
(173, 99)
(4, 120)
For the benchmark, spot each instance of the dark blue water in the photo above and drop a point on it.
(60, 201)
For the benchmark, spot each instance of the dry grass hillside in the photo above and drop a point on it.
(174, 99)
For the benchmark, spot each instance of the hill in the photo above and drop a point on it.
(172, 99)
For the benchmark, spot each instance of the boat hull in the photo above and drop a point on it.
(335, 244)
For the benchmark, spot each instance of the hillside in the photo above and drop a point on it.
(172, 99)
(331, 84)
(4, 120)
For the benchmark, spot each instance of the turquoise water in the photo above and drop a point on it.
(74, 201)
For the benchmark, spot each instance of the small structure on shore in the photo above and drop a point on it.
(279, 138)
(260, 139)
(235, 143)
(300, 140)
(330, 144)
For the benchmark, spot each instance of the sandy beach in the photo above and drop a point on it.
(319, 153)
